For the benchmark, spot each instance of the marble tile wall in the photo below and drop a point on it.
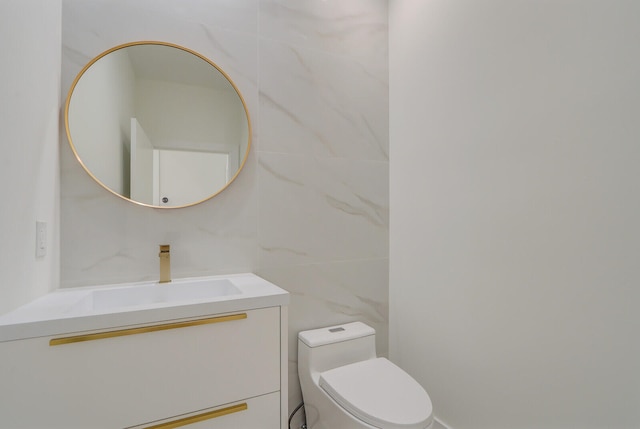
(310, 210)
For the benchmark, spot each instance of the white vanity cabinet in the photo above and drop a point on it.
(214, 371)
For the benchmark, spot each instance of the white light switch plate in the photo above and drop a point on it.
(41, 239)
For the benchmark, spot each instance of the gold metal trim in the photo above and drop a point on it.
(165, 263)
(144, 329)
(171, 45)
(200, 417)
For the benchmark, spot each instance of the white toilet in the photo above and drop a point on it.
(345, 386)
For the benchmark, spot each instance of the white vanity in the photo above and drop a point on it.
(196, 353)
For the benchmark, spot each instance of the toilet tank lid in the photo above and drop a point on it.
(335, 334)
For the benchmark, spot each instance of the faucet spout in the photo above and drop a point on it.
(165, 263)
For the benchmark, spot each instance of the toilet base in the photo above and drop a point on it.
(333, 415)
(325, 413)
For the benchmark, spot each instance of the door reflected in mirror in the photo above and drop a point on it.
(158, 124)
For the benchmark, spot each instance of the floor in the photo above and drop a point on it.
(438, 425)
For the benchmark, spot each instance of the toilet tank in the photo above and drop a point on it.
(327, 348)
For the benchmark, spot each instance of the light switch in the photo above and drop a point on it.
(41, 239)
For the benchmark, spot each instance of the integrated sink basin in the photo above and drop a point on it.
(98, 307)
(148, 294)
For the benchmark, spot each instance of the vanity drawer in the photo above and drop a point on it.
(262, 412)
(123, 380)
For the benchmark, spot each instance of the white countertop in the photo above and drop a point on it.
(60, 312)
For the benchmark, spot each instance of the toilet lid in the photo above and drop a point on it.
(379, 393)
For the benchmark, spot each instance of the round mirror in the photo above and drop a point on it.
(157, 124)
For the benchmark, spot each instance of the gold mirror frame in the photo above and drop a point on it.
(171, 45)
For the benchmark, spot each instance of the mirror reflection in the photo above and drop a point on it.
(157, 124)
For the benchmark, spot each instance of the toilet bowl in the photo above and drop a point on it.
(346, 386)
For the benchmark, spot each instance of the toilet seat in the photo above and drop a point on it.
(379, 393)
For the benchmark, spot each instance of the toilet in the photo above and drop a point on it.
(345, 386)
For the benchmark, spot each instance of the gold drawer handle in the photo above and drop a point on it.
(145, 329)
(200, 417)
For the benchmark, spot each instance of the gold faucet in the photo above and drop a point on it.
(165, 263)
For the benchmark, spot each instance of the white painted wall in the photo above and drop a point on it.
(100, 115)
(187, 116)
(29, 178)
(514, 243)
